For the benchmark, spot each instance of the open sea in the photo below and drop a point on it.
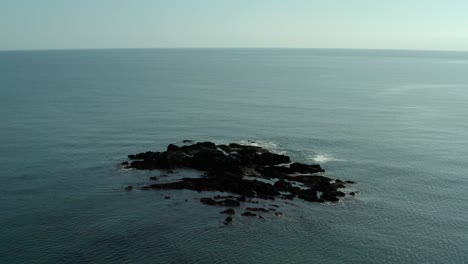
(396, 122)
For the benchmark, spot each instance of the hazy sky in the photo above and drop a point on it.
(392, 24)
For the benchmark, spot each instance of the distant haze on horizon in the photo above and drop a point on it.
(359, 24)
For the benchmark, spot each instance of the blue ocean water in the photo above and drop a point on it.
(395, 122)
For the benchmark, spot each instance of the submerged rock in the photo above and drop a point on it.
(228, 220)
(223, 202)
(257, 209)
(229, 211)
(248, 214)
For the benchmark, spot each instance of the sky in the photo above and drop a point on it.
(361, 24)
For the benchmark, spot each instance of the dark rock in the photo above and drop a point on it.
(208, 201)
(260, 217)
(172, 147)
(236, 169)
(329, 196)
(340, 194)
(145, 188)
(338, 185)
(304, 168)
(153, 178)
(224, 197)
(350, 182)
(190, 149)
(129, 188)
(225, 202)
(187, 141)
(283, 185)
(278, 213)
(288, 196)
(229, 202)
(248, 214)
(125, 163)
(352, 193)
(167, 197)
(229, 211)
(256, 209)
(309, 195)
(228, 220)
(269, 158)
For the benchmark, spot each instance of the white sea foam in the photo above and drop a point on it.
(323, 158)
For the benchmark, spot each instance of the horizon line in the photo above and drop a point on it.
(232, 48)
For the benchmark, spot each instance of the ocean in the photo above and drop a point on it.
(396, 122)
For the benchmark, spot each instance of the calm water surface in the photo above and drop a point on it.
(396, 122)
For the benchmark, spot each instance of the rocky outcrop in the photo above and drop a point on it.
(247, 171)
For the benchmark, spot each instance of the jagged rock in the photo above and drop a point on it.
(172, 147)
(338, 185)
(226, 168)
(304, 168)
(153, 178)
(284, 186)
(309, 195)
(329, 196)
(125, 163)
